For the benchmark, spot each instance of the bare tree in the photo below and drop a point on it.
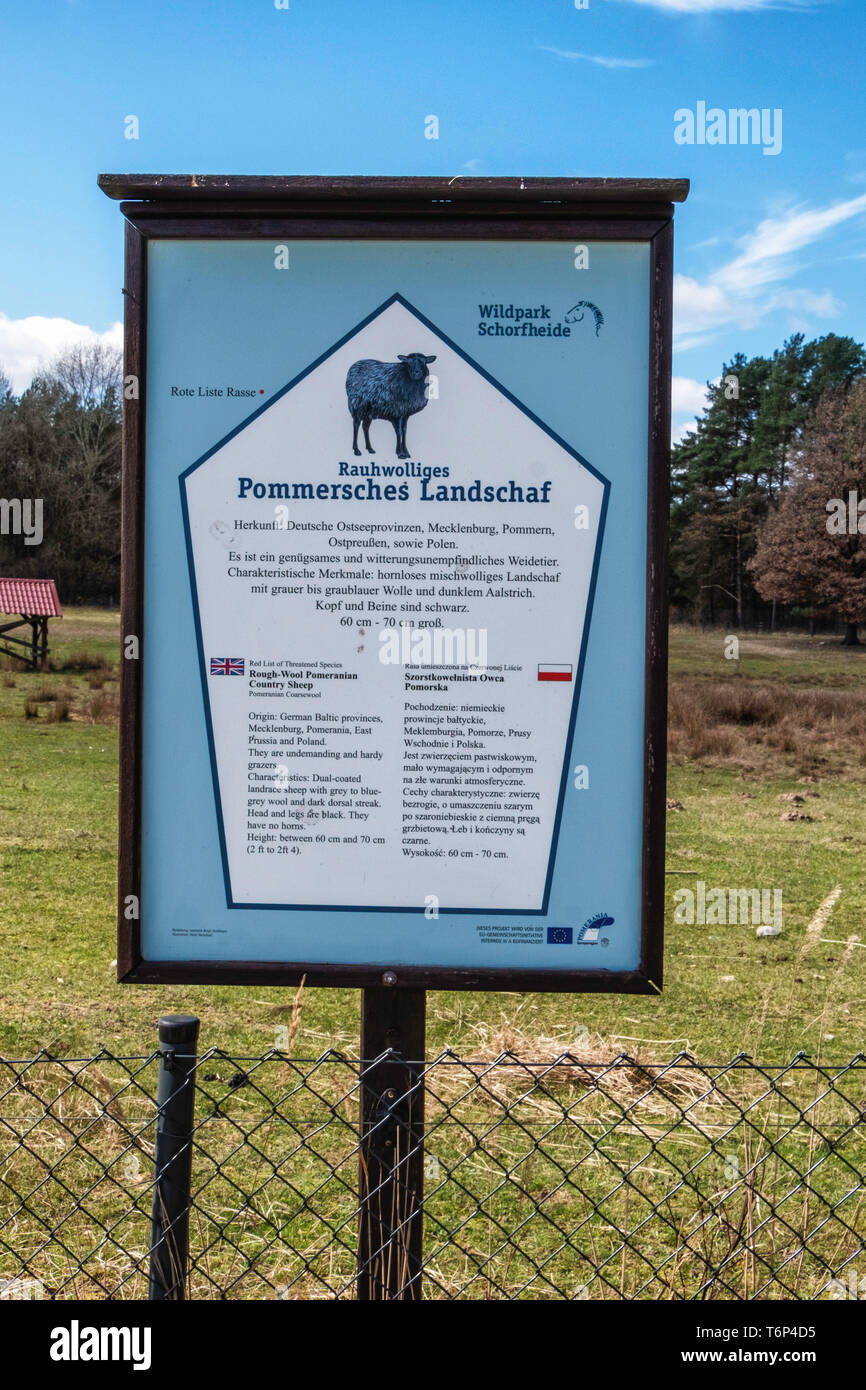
(90, 375)
(813, 547)
(60, 441)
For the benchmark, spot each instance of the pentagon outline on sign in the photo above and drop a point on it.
(395, 298)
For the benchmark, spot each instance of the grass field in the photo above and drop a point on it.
(788, 717)
(598, 1182)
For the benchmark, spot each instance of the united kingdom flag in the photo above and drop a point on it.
(227, 665)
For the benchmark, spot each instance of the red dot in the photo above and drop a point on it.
(261, 390)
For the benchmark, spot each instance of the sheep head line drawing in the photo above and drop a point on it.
(575, 315)
(387, 391)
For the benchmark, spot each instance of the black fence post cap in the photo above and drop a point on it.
(178, 1028)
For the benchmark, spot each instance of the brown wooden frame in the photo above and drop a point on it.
(283, 208)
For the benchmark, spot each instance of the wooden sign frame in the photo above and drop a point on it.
(285, 208)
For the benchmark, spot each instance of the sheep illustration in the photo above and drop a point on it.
(574, 317)
(387, 391)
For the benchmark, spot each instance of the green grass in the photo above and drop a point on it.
(791, 658)
(725, 992)
(57, 860)
(639, 1186)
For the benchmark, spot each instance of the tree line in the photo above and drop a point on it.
(768, 512)
(779, 438)
(60, 441)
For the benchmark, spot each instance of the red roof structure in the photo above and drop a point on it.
(34, 598)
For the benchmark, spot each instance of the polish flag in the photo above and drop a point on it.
(548, 672)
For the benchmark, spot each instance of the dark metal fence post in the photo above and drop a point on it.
(391, 1168)
(169, 1245)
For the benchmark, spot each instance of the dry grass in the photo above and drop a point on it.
(754, 727)
(694, 1172)
(81, 660)
(103, 707)
(587, 1061)
(90, 703)
(706, 1186)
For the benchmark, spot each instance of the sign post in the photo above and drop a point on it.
(391, 1166)
(394, 603)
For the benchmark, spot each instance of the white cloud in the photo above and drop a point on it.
(824, 306)
(698, 306)
(688, 397)
(764, 250)
(599, 61)
(680, 428)
(693, 340)
(741, 290)
(27, 344)
(718, 6)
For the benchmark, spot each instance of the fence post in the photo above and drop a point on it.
(178, 1036)
(391, 1160)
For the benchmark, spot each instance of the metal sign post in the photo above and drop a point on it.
(391, 1165)
(169, 1243)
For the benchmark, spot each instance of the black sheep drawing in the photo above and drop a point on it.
(387, 391)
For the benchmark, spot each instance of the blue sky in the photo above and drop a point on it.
(766, 244)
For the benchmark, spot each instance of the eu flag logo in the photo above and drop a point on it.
(560, 936)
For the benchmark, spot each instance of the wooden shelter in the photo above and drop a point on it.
(34, 601)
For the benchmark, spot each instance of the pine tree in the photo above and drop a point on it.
(735, 466)
(716, 501)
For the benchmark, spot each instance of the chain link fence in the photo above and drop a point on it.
(542, 1179)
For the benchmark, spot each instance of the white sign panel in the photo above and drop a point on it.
(392, 567)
